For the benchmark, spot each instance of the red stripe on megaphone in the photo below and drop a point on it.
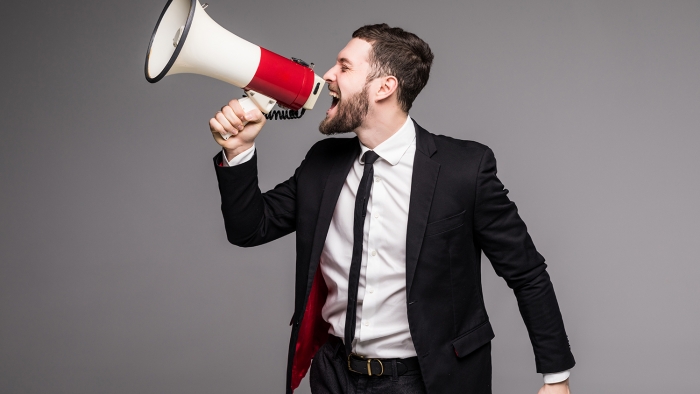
(282, 79)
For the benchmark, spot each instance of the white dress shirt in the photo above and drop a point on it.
(382, 317)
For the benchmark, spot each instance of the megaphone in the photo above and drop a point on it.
(187, 40)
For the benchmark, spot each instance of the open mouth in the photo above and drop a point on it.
(336, 98)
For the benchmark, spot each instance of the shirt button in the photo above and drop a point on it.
(374, 253)
(377, 179)
(366, 323)
(370, 289)
(376, 216)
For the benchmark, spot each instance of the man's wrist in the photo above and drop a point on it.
(231, 153)
(240, 158)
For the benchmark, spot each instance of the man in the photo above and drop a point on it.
(390, 229)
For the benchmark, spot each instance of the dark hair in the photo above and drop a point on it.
(401, 54)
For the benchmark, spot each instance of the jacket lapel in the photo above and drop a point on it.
(334, 184)
(425, 175)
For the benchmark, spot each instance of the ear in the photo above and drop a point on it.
(386, 88)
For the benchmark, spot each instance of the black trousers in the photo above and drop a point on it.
(330, 375)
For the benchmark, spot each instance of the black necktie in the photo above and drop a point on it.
(361, 200)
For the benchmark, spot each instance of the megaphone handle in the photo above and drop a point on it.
(254, 100)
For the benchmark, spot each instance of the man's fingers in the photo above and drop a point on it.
(254, 116)
(236, 108)
(216, 127)
(233, 119)
(226, 124)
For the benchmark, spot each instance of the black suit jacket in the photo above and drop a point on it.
(458, 208)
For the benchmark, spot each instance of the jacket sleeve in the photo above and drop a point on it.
(253, 218)
(503, 237)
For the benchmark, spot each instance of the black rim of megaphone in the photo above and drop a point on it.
(179, 44)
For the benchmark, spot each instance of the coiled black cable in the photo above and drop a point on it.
(285, 114)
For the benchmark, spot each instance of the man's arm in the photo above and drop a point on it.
(251, 218)
(503, 237)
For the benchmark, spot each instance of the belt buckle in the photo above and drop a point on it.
(350, 365)
(369, 364)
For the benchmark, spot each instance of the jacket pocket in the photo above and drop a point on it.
(443, 225)
(474, 339)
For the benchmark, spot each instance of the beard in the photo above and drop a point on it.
(350, 113)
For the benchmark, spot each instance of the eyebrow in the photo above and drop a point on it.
(345, 61)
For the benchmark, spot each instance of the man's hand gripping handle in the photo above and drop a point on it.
(254, 101)
(238, 123)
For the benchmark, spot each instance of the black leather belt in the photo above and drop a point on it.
(376, 366)
(382, 366)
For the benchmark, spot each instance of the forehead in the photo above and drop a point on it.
(356, 52)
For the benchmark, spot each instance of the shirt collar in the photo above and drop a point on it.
(394, 147)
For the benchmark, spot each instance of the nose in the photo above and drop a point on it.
(329, 76)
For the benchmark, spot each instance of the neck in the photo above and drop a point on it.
(379, 125)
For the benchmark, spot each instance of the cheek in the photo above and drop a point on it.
(350, 85)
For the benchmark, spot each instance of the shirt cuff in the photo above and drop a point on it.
(241, 158)
(557, 377)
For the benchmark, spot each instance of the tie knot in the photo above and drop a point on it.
(370, 157)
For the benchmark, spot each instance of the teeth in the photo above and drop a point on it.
(334, 94)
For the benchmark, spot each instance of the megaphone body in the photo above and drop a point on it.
(187, 40)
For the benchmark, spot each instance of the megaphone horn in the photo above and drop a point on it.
(187, 40)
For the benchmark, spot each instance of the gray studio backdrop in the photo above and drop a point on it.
(115, 273)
